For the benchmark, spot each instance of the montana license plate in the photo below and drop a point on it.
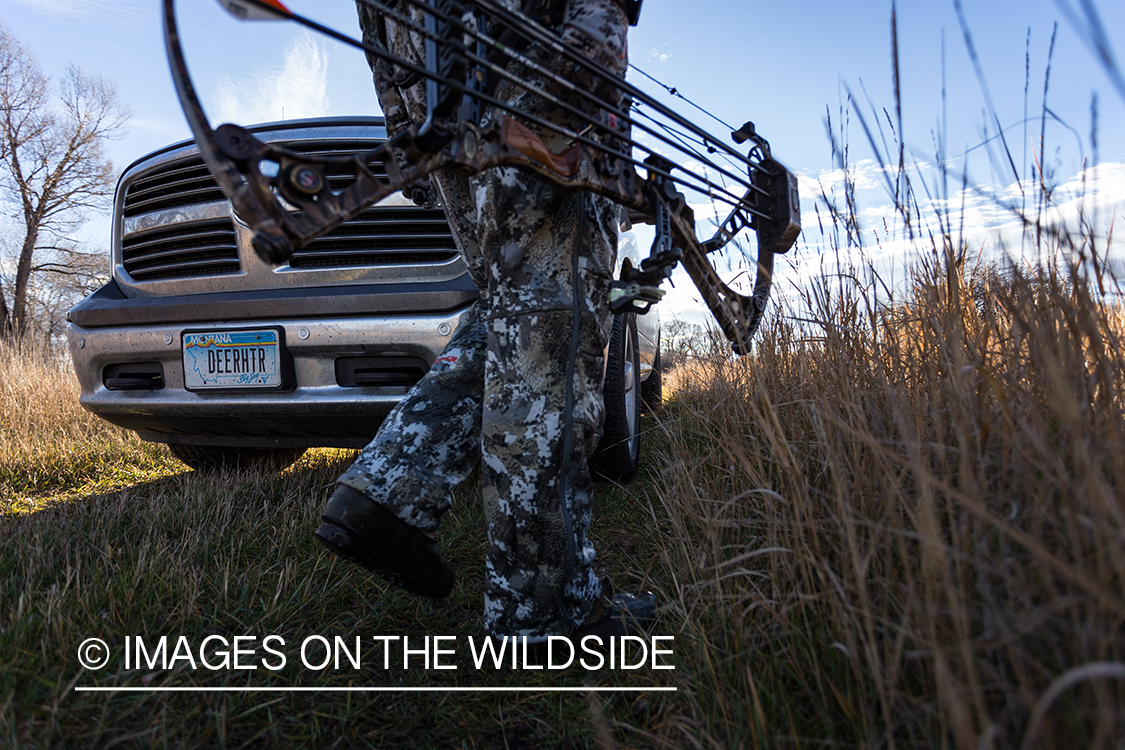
(232, 359)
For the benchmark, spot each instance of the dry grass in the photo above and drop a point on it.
(104, 536)
(904, 526)
(901, 522)
(50, 448)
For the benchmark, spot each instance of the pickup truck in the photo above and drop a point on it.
(198, 343)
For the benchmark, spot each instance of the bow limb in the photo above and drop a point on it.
(251, 200)
(234, 157)
(506, 142)
(738, 316)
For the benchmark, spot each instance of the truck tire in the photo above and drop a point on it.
(210, 458)
(618, 454)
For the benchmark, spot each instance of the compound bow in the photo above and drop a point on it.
(293, 203)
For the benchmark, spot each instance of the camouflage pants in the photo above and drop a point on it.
(519, 387)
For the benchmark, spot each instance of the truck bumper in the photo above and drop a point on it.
(348, 361)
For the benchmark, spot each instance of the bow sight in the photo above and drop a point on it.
(468, 52)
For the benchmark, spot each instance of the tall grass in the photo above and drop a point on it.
(900, 522)
(909, 530)
(899, 527)
(49, 445)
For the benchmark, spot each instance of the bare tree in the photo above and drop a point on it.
(680, 343)
(52, 150)
(59, 279)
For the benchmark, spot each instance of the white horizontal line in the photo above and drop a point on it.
(88, 689)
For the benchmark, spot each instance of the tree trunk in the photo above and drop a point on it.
(5, 318)
(18, 312)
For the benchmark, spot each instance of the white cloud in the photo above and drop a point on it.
(985, 218)
(165, 128)
(865, 174)
(991, 221)
(295, 89)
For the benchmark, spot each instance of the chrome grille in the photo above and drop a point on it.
(179, 184)
(204, 248)
(187, 181)
(380, 237)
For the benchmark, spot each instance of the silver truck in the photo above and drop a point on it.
(197, 343)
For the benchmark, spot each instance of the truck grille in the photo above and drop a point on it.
(187, 181)
(382, 236)
(180, 184)
(398, 235)
(206, 248)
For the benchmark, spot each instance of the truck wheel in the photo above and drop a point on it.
(219, 457)
(652, 389)
(619, 451)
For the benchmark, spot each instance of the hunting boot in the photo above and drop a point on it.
(358, 529)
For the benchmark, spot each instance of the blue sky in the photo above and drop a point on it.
(783, 65)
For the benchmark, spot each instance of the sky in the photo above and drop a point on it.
(787, 66)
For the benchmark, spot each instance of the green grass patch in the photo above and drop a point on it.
(181, 553)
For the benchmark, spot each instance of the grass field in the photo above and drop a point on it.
(105, 536)
(900, 527)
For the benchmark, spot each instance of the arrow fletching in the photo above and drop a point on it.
(256, 10)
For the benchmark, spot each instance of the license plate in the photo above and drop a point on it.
(232, 359)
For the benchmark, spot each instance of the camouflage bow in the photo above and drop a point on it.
(464, 61)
